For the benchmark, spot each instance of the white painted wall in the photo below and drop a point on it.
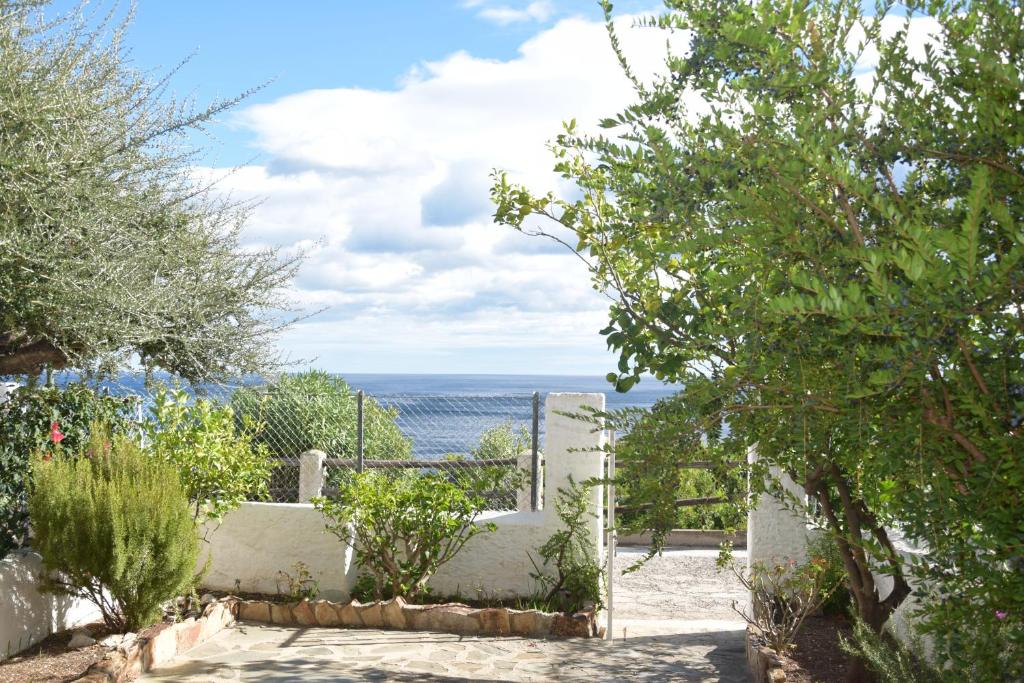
(776, 533)
(28, 616)
(258, 540)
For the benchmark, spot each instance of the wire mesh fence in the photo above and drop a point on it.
(486, 443)
(489, 443)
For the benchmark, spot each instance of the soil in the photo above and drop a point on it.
(817, 657)
(50, 661)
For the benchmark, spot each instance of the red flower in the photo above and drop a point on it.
(47, 458)
(55, 434)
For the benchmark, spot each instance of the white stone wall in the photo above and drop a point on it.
(258, 540)
(28, 616)
(776, 533)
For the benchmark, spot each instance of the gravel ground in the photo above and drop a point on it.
(683, 583)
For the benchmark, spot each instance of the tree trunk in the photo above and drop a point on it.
(852, 522)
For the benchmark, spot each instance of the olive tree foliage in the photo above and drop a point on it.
(830, 260)
(110, 248)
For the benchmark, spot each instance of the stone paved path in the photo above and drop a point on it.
(703, 645)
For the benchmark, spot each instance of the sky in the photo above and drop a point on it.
(369, 146)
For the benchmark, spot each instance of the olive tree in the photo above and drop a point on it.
(812, 219)
(111, 247)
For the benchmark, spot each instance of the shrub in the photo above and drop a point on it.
(890, 660)
(26, 418)
(823, 551)
(216, 456)
(782, 596)
(498, 484)
(570, 554)
(316, 410)
(402, 526)
(301, 585)
(116, 525)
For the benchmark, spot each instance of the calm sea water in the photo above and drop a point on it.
(643, 394)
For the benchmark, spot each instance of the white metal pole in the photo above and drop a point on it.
(612, 535)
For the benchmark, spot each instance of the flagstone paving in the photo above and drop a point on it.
(669, 649)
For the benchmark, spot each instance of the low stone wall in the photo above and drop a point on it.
(399, 615)
(162, 644)
(27, 616)
(765, 665)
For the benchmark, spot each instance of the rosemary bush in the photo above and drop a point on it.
(114, 527)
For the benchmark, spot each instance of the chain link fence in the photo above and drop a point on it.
(486, 443)
(489, 443)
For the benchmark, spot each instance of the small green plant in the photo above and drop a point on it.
(301, 585)
(823, 551)
(402, 526)
(890, 660)
(571, 555)
(783, 595)
(219, 462)
(365, 589)
(114, 527)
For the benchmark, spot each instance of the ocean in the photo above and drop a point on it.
(644, 394)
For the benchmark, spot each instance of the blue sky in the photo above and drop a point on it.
(370, 149)
(285, 48)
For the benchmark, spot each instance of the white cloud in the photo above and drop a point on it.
(540, 10)
(389, 190)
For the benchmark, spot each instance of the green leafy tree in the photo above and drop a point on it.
(402, 526)
(110, 248)
(115, 528)
(830, 262)
(27, 420)
(220, 462)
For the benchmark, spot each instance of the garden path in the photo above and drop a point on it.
(675, 612)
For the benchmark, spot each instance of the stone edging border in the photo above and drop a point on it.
(145, 652)
(447, 618)
(765, 665)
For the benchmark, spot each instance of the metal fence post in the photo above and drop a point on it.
(359, 431)
(612, 534)
(535, 462)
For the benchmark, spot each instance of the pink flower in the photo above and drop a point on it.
(55, 434)
(1000, 614)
